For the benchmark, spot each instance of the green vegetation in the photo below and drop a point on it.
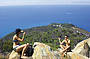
(48, 35)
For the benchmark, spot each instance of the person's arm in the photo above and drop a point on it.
(19, 39)
(60, 41)
(23, 35)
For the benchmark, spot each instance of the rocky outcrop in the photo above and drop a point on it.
(43, 51)
(85, 51)
(76, 56)
(83, 48)
(14, 55)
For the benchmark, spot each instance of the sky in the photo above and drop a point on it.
(43, 2)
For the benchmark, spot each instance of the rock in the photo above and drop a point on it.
(83, 48)
(14, 55)
(57, 54)
(76, 56)
(42, 51)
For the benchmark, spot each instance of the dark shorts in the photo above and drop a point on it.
(69, 49)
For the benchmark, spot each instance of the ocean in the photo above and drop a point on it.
(12, 17)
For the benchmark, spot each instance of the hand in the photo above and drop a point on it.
(59, 38)
(24, 33)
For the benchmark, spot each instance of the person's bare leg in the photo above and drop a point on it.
(24, 49)
(62, 47)
(66, 49)
(20, 47)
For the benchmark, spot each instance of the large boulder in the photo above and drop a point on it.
(42, 51)
(76, 56)
(14, 55)
(83, 48)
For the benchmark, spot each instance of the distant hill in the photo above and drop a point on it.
(47, 34)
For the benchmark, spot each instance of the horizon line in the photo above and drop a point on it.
(43, 4)
(29, 3)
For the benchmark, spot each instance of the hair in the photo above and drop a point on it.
(67, 35)
(17, 30)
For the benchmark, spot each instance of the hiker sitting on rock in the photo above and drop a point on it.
(65, 45)
(16, 45)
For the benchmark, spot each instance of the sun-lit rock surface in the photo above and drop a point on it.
(76, 56)
(43, 51)
(83, 48)
(14, 55)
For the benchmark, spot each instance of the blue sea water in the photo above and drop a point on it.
(12, 17)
